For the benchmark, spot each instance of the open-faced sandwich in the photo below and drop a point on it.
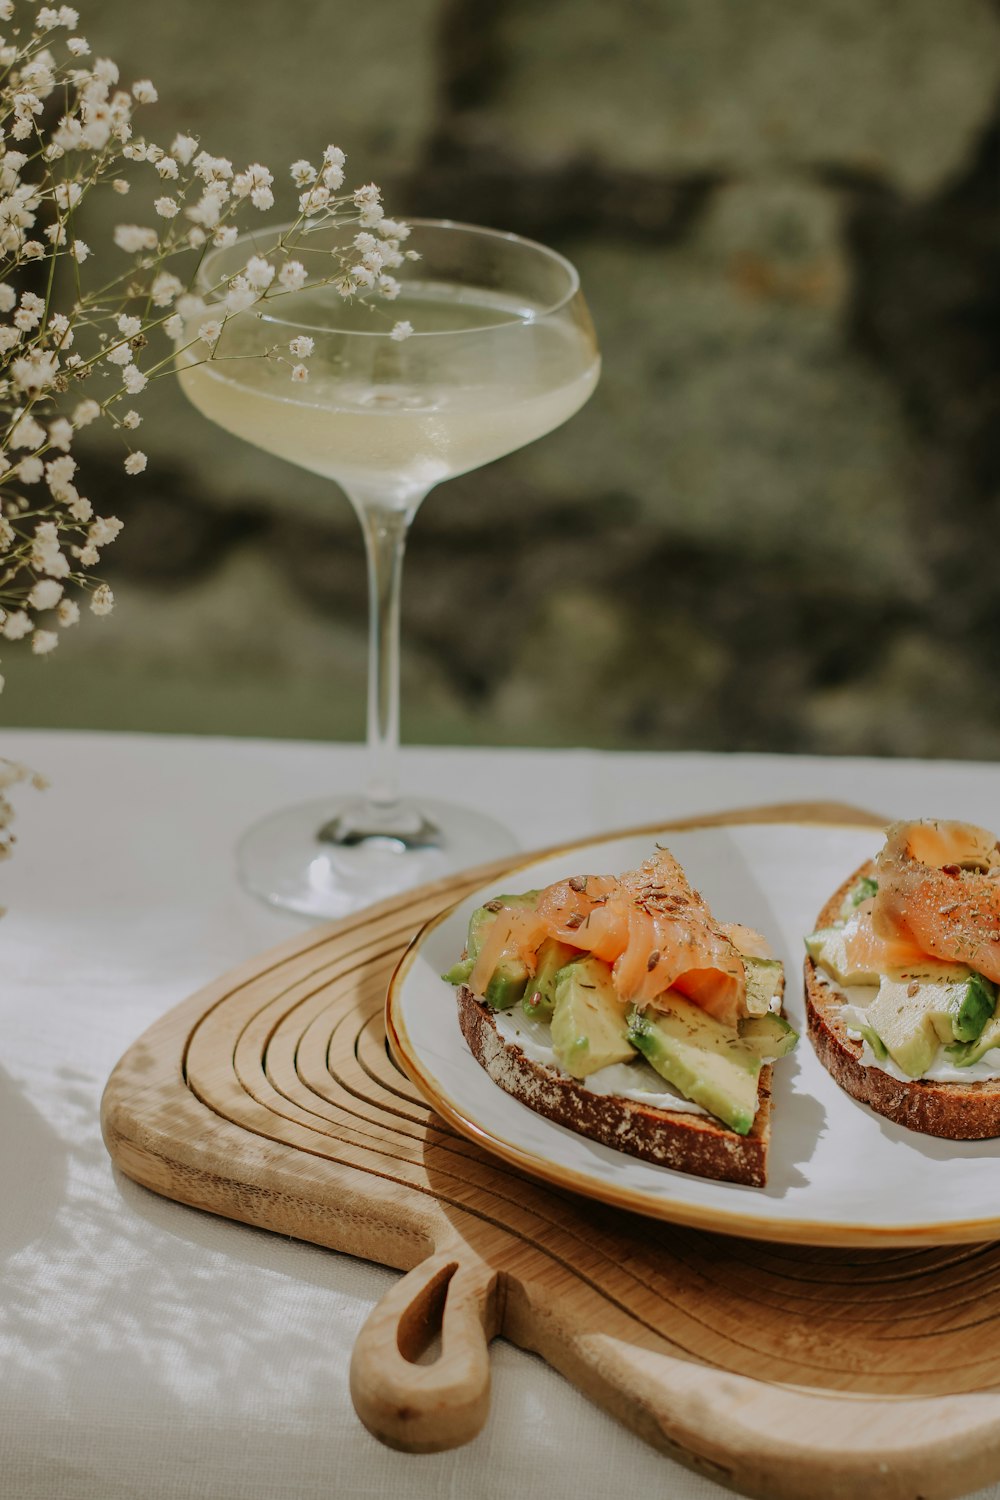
(902, 976)
(618, 1006)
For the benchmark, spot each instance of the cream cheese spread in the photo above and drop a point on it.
(628, 1080)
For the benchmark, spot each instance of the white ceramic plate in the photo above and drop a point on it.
(838, 1173)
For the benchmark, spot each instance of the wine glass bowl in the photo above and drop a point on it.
(501, 351)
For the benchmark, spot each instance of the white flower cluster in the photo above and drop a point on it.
(70, 355)
(12, 772)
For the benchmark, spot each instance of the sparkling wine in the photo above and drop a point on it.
(411, 413)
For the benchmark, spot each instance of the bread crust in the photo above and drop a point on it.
(686, 1142)
(952, 1111)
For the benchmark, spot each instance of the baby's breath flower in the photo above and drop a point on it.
(85, 412)
(165, 288)
(27, 433)
(184, 148)
(103, 531)
(248, 182)
(368, 200)
(133, 237)
(389, 288)
(16, 625)
(102, 600)
(134, 380)
(259, 272)
(68, 195)
(314, 201)
(61, 433)
(401, 330)
(190, 306)
(76, 123)
(46, 594)
(33, 372)
(240, 295)
(293, 275)
(29, 470)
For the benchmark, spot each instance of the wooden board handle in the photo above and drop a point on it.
(427, 1407)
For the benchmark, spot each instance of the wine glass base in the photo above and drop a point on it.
(327, 859)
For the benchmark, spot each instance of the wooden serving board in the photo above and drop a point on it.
(783, 1371)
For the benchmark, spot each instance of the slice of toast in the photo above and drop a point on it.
(687, 1142)
(954, 1111)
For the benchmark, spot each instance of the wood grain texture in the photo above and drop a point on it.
(784, 1371)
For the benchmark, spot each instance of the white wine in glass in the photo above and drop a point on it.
(502, 352)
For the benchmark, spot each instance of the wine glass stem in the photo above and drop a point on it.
(385, 529)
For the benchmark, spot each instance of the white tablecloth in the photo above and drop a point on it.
(152, 1352)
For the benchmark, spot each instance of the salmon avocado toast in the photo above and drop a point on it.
(618, 1006)
(902, 979)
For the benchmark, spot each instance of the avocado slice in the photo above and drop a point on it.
(875, 1042)
(907, 1023)
(483, 917)
(764, 981)
(459, 973)
(827, 947)
(539, 996)
(507, 984)
(502, 991)
(977, 1005)
(589, 1030)
(767, 1036)
(963, 1054)
(705, 1060)
(860, 891)
(952, 1001)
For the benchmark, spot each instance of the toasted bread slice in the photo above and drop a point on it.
(687, 1142)
(954, 1111)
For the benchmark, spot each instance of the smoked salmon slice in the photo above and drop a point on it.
(939, 888)
(649, 925)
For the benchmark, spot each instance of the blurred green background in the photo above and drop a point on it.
(774, 525)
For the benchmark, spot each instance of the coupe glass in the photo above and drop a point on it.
(502, 352)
